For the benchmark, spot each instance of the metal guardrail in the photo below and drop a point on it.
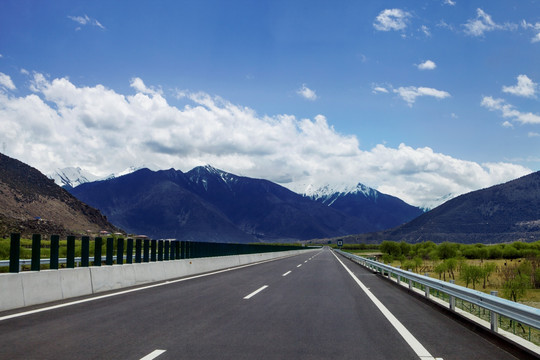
(512, 310)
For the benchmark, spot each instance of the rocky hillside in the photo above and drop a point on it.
(32, 203)
(501, 213)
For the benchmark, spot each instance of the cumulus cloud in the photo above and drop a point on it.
(484, 23)
(525, 87)
(102, 131)
(427, 65)
(410, 93)
(380, 89)
(6, 82)
(391, 19)
(85, 20)
(535, 27)
(509, 111)
(307, 93)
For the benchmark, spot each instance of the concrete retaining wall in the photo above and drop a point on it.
(38, 287)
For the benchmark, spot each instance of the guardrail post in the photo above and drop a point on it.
(452, 299)
(36, 252)
(494, 316)
(14, 252)
(129, 251)
(97, 251)
(138, 249)
(160, 250)
(55, 246)
(146, 255)
(85, 251)
(167, 250)
(153, 250)
(109, 251)
(70, 261)
(120, 251)
(410, 281)
(426, 288)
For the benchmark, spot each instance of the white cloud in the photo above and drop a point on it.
(484, 23)
(379, 89)
(85, 20)
(449, 2)
(509, 111)
(535, 27)
(391, 19)
(307, 93)
(138, 84)
(507, 124)
(103, 131)
(525, 87)
(410, 93)
(425, 30)
(427, 65)
(6, 82)
(533, 134)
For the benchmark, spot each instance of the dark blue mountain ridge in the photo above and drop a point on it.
(208, 204)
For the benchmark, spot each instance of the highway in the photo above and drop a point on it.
(302, 307)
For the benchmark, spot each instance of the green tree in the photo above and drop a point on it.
(451, 265)
(495, 252)
(440, 270)
(447, 250)
(390, 248)
(470, 274)
(487, 269)
(516, 281)
(418, 262)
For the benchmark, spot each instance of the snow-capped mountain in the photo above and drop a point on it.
(327, 194)
(71, 177)
(360, 201)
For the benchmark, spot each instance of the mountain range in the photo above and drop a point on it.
(501, 213)
(32, 203)
(212, 205)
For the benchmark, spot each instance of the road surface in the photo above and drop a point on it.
(316, 305)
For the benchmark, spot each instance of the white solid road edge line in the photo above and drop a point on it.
(154, 354)
(255, 292)
(418, 348)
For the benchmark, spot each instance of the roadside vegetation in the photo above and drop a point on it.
(511, 269)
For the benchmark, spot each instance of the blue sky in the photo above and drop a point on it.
(418, 99)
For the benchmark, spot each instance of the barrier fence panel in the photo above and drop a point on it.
(119, 251)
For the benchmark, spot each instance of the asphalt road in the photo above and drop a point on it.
(302, 307)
